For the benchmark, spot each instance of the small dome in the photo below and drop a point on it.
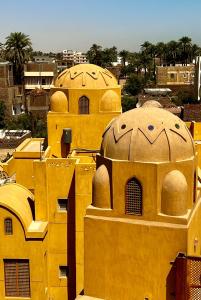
(59, 102)
(101, 188)
(147, 135)
(174, 194)
(152, 103)
(87, 76)
(110, 102)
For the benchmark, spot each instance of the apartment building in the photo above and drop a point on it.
(39, 75)
(74, 57)
(175, 75)
(12, 95)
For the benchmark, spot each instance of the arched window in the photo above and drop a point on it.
(133, 197)
(8, 226)
(83, 105)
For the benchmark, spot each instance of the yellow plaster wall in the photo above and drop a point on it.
(9, 166)
(16, 247)
(24, 172)
(87, 130)
(194, 233)
(127, 261)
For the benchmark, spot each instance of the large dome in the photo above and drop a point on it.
(147, 135)
(87, 76)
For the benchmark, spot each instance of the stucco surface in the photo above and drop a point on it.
(87, 76)
(147, 135)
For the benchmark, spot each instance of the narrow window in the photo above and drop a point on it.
(17, 277)
(8, 226)
(83, 105)
(133, 197)
(62, 204)
(63, 271)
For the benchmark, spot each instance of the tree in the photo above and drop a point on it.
(172, 52)
(161, 51)
(134, 85)
(109, 55)
(94, 55)
(124, 56)
(2, 114)
(185, 44)
(18, 50)
(128, 102)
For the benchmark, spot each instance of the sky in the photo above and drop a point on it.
(77, 24)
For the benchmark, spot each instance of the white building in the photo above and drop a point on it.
(197, 81)
(39, 75)
(74, 57)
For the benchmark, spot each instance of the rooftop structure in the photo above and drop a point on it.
(47, 220)
(175, 75)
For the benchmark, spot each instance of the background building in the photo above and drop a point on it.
(39, 75)
(175, 75)
(12, 95)
(74, 57)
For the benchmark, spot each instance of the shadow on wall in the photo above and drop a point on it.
(71, 259)
(171, 284)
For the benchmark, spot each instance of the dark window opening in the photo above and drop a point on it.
(63, 271)
(17, 277)
(8, 226)
(63, 204)
(43, 81)
(133, 197)
(83, 105)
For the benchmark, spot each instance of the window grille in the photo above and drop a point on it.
(63, 204)
(133, 197)
(8, 226)
(17, 278)
(63, 271)
(194, 273)
(83, 105)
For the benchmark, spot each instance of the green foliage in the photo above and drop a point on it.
(18, 50)
(102, 57)
(19, 122)
(128, 102)
(37, 126)
(2, 114)
(184, 97)
(134, 85)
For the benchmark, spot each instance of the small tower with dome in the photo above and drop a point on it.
(145, 208)
(84, 99)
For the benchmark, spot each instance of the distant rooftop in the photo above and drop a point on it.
(5, 63)
(157, 91)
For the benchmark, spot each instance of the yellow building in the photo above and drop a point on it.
(42, 213)
(142, 231)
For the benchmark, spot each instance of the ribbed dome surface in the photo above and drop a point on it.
(147, 135)
(87, 76)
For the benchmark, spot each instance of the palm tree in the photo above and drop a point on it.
(172, 52)
(94, 55)
(185, 46)
(124, 56)
(195, 51)
(161, 51)
(18, 50)
(146, 47)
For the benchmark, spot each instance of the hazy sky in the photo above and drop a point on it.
(77, 24)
